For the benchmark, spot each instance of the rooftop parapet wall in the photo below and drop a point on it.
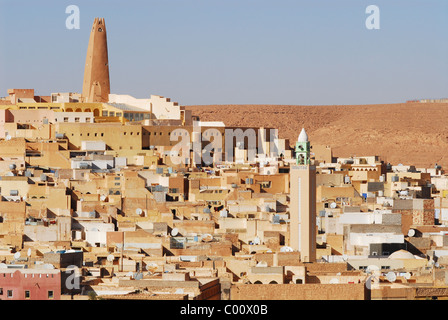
(299, 292)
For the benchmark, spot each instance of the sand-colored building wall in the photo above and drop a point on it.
(12, 183)
(299, 292)
(30, 116)
(49, 155)
(116, 135)
(303, 211)
(331, 193)
(30, 131)
(322, 153)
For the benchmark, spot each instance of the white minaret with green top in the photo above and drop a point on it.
(303, 149)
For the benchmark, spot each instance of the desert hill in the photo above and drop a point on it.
(409, 133)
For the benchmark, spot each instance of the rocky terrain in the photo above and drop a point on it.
(409, 133)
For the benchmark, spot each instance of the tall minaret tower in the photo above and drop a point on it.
(96, 86)
(302, 209)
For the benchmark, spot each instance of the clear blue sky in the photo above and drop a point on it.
(234, 51)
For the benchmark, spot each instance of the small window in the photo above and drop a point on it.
(50, 294)
(27, 294)
(9, 294)
(65, 119)
(1, 291)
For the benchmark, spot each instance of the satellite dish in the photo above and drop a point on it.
(29, 252)
(391, 276)
(333, 205)
(3, 266)
(8, 137)
(129, 274)
(17, 255)
(372, 268)
(207, 237)
(256, 240)
(407, 275)
(286, 249)
(334, 281)
(174, 232)
(138, 211)
(151, 267)
(103, 197)
(411, 232)
(48, 266)
(110, 258)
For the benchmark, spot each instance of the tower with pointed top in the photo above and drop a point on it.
(302, 209)
(303, 149)
(96, 85)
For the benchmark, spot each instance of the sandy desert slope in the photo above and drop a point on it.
(407, 133)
